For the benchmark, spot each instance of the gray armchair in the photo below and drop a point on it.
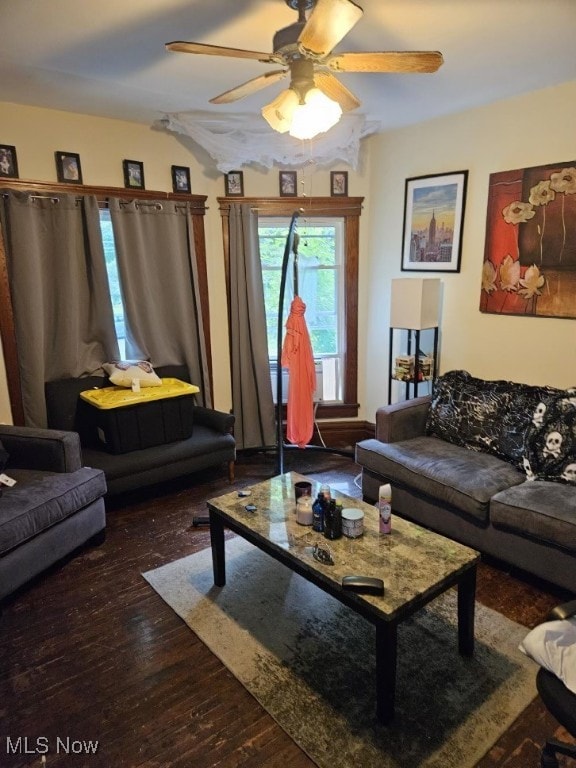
(55, 506)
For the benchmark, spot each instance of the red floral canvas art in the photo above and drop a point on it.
(530, 252)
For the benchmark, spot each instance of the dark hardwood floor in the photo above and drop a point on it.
(89, 652)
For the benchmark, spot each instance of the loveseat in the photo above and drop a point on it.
(488, 463)
(211, 442)
(55, 506)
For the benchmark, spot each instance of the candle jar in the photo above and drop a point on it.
(304, 510)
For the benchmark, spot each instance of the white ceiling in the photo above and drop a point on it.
(107, 57)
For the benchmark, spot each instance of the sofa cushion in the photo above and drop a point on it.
(40, 500)
(203, 446)
(551, 441)
(445, 472)
(488, 416)
(539, 510)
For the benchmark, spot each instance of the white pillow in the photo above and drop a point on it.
(123, 373)
(552, 645)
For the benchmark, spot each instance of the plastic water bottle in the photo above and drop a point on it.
(318, 513)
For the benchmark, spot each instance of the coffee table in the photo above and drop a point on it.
(416, 565)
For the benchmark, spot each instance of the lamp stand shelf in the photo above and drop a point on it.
(412, 343)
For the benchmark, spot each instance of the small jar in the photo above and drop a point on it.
(304, 510)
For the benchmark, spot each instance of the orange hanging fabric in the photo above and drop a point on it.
(298, 357)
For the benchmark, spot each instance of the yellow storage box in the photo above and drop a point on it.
(123, 420)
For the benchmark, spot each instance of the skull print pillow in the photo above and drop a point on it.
(551, 440)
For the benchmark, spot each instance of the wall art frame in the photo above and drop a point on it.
(234, 183)
(68, 167)
(434, 207)
(8, 161)
(339, 183)
(181, 179)
(133, 174)
(529, 266)
(288, 181)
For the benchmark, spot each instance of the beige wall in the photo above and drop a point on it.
(531, 130)
(102, 145)
(534, 129)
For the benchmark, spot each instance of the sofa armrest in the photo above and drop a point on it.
(402, 421)
(218, 420)
(49, 450)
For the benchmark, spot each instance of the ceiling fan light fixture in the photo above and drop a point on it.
(278, 114)
(315, 114)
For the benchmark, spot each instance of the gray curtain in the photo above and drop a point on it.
(252, 400)
(63, 314)
(159, 283)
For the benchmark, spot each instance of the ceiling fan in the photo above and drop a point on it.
(304, 50)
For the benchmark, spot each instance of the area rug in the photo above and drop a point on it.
(310, 662)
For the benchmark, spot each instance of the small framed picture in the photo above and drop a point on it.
(68, 167)
(235, 184)
(181, 179)
(133, 174)
(433, 222)
(8, 161)
(288, 181)
(338, 183)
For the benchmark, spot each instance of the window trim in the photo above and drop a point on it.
(349, 209)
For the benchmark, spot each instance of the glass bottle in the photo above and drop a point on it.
(333, 520)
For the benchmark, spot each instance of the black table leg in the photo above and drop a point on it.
(386, 645)
(218, 554)
(466, 605)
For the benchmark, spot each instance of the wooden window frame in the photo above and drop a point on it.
(349, 209)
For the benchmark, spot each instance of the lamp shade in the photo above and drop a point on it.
(415, 303)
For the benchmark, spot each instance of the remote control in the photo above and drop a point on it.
(368, 584)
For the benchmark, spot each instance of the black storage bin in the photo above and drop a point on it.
(139, 425)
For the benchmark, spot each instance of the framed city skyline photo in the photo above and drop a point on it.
(235, 184)
(181, 179)
(8, 161)
(68, 167)
(133, 174)
(433, 222)
(288, 180)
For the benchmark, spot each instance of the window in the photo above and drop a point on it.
(344, 214)
(320, 276)
(112, 269)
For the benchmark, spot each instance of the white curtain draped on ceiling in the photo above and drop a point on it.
(237, 140)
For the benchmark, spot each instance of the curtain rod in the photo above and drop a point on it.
(104, 203)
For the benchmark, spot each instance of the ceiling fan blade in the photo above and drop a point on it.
(180, 46)
(328, 23)
(387, 61)
(250, 87)
(333, 88)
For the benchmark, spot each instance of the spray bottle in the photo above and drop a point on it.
(385, 508)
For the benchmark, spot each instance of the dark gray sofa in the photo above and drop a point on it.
(211, 443)
(55, 506)
(472, 484)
